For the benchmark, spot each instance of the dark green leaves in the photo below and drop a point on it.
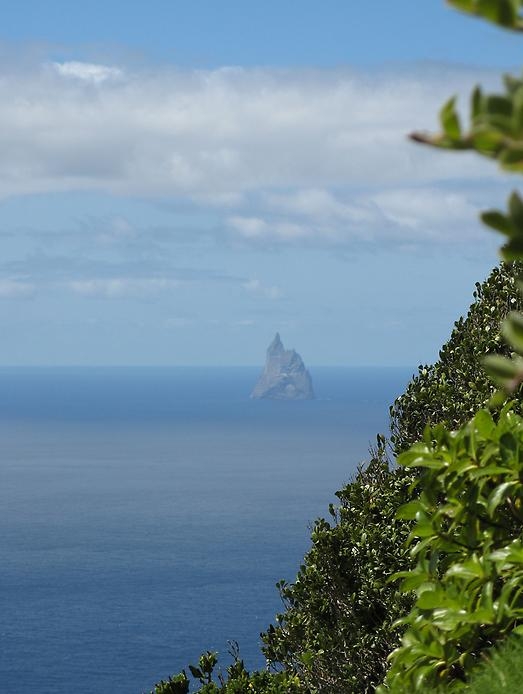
(338, 624)
(467, 545)
(236, 679)
(456, 386)
(505, 13)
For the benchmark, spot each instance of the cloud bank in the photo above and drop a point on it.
(216, 134)
(279, 157)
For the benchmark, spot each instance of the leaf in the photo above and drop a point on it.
(500, 12)
(515, 206)
(484, 423)
(499, 495)
(500, 368)
(412, 582)
(449, 120)
(483, 615)
(418, 456)
(515, 554)
(196, 672)
(423, 529)
(489, 471)
(487, 141)
(498, 221)
(463, 5)
(512, 158)
(430, 599)
(497, 105)
(513, 249)
(468, 570)
(408, 511)
(476, 103)
(497, 399)
(512, 330)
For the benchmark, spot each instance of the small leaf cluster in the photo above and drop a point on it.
(508, 372)
(506, 13)
(236, 680)
(467, 541)
(338, 625)
(452, 390)
(495, 129)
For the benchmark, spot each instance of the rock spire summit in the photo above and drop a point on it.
(284, 376)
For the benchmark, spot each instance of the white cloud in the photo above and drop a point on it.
(217, 134)
(89, 72)
(121, 287)
(314, 217)
(318, 204)
(257, 229)
(275, 157)
(15, 289)
(419, 209)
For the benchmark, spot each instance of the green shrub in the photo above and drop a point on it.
(453, 389)
(337, 627)
(501, 670)
(236, 680)
(468, 549)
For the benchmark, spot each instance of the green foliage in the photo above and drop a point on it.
(495, 130)
(468, 546)
(237, 680)
(506, 13)
(337, 628)
(456, 386)
(501, 671)
(178, 684)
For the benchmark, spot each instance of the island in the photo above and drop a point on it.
(284, 376)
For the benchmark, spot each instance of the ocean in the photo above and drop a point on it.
(147, 513)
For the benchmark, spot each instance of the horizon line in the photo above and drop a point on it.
(197, 366)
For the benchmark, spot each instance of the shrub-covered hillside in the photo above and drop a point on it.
(452, 390)
(338, 626)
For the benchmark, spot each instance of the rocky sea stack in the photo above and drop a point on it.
(284, 376)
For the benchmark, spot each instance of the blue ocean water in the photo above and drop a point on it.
(146, 514)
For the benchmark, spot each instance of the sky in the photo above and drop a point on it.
(180, 180)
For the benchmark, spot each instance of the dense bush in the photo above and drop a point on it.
(336, 630)
(468, 547)
(236, 679)
(452, 390)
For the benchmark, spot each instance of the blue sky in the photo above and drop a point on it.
(179, 180)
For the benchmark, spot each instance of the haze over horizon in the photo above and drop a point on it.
(179, 183)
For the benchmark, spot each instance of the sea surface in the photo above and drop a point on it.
(146, 514)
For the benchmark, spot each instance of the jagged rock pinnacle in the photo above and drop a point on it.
(284, 376)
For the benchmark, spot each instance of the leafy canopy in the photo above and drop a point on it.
(468, 548)
(452, 390)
